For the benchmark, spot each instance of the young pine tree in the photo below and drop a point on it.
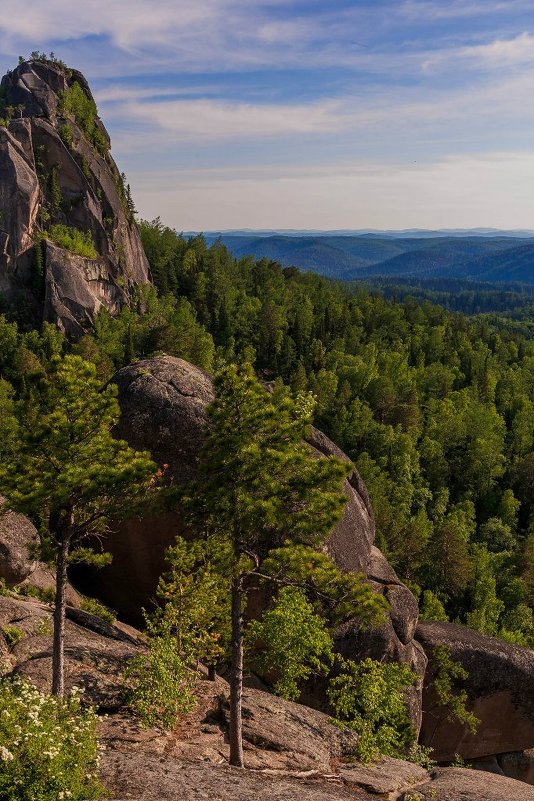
(261, 489)
(67, 472)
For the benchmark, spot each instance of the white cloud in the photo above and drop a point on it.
(457, 9)
(496, 55)
(207, 119)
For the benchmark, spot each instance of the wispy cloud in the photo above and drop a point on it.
(458, 9)
(517, 51)
(352, 97)
(218, 120)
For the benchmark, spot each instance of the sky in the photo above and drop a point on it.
(311, 115)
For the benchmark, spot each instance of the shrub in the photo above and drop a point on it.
(65, 132)
(74, 101)
(448, 675)
(49, 749)
(13, 635)
(162, 682)
(296, 641)
(74, 240)
(94, 607)
(368, 698)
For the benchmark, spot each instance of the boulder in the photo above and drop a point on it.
(163, 409)
(461, 784)
(500, 686)
(96, 653)
(518, 765)
(17, 539)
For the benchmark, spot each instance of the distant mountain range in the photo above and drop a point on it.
(485, 255)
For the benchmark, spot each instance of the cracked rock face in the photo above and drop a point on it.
(51, 174)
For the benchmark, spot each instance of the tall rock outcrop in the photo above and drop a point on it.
(56, 170)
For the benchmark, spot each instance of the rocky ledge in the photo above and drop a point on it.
(291, 751)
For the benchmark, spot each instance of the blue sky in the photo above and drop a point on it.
(235, 113)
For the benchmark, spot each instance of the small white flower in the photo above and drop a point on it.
(5, 754)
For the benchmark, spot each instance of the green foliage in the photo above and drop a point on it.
(48, 746)
(13, 635)
(65, 132)
(162, 681)
(68, 473)
(261, 485)
(367, 697)
(66, 456)
(337, 596)
(45, 595)
(448, 677)
(75, 102)
(94, 607)
(72, 239)
(54, 189)
(195, 600)
(432, 608)
(294, 642)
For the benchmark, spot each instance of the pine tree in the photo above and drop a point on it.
(65, 471)
(260, 490)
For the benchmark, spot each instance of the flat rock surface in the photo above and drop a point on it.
(461, 784)
(385, 776)
(137, 777)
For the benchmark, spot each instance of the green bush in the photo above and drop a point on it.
(44, 594)
(448, 676)
(74, 240)
(13, 635)
(94, 607)
(74, 101)
(296, 642)
(162, 682)
(48, 746)
(65, 132)
(368, 697)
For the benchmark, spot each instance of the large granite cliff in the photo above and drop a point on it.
(58, 181)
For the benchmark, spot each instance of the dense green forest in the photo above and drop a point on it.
(435, 409)
(507, 306)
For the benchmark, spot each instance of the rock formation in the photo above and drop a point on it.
(17, 538)
(163, 402)
(500, 686)
(56, 169)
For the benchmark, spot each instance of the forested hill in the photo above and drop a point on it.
(474, 257)
(436, 409)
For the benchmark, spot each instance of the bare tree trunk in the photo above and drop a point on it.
(58, 658)
(212, 674)
(236, 674)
